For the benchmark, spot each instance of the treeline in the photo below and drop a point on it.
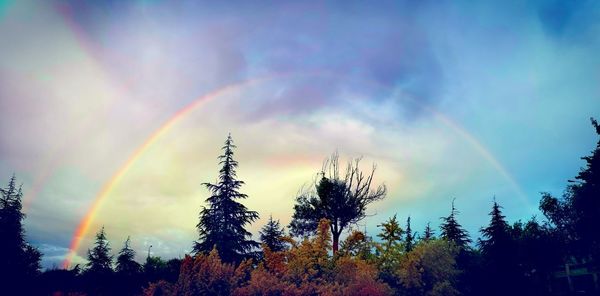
(523, 258)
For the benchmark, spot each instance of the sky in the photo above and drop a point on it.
(113, 113)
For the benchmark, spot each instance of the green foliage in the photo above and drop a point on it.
(428, 233)
(222, 223)
(409, 238)
(271, 235)
(389, 252)
(340, 199)
(429, 269)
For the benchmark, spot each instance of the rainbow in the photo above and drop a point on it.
(84, 225)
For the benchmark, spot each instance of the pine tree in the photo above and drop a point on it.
(409, 238)
(222, 222)
(99, 258)
(428, 233)
(126, 263)
(271, 235)
(19, 261)
(496, 235)
(499, 254)
(452, 231)
(391, 232)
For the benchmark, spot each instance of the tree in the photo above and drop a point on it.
(19, 261)
(222, 222)
(499, 254)
(428, 234)
(577, 214)
(429, 269)
(389, 252)
(408, 239)
(99, 258)
(271, 235)
(452, 231)
(125, 261)
(391, 231)
(340, 199)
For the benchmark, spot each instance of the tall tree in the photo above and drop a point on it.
(577, 214)
(409, 238)
(222, 222)
(452, 231)
(499, 253)
(271, 235)
(19, 261)
(99, 257)
(496, 236)
(126, 263)
(428, 234)
(341, 199)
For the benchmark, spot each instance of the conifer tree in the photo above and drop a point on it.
(496, 236)
(271, 235)
(409, 238)
(222, 223)
(99, 258)
(126, 263)
(499, 254)
(391, 232)
(452, 231)
(19, 261)
(428, 233)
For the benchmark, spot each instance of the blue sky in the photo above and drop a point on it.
(451, 99)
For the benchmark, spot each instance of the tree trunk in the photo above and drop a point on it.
(336, 242)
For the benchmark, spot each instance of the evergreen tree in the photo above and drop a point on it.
(391, 232)
(409, 238)
(428, 234)
(99, 258)
(222, 222)
(19, 261)
(496, 236)
(452, 231)
(271, 235)
(499, 254)
(126, 263)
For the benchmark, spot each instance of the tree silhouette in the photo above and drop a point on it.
(99, 258)
(222, 222)
(19, 261)
(340, 199)
(452, 231)
(409, 238)
(499, 254)
(428, 234)
(577, 214)
(126, 263)
(271, 235)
